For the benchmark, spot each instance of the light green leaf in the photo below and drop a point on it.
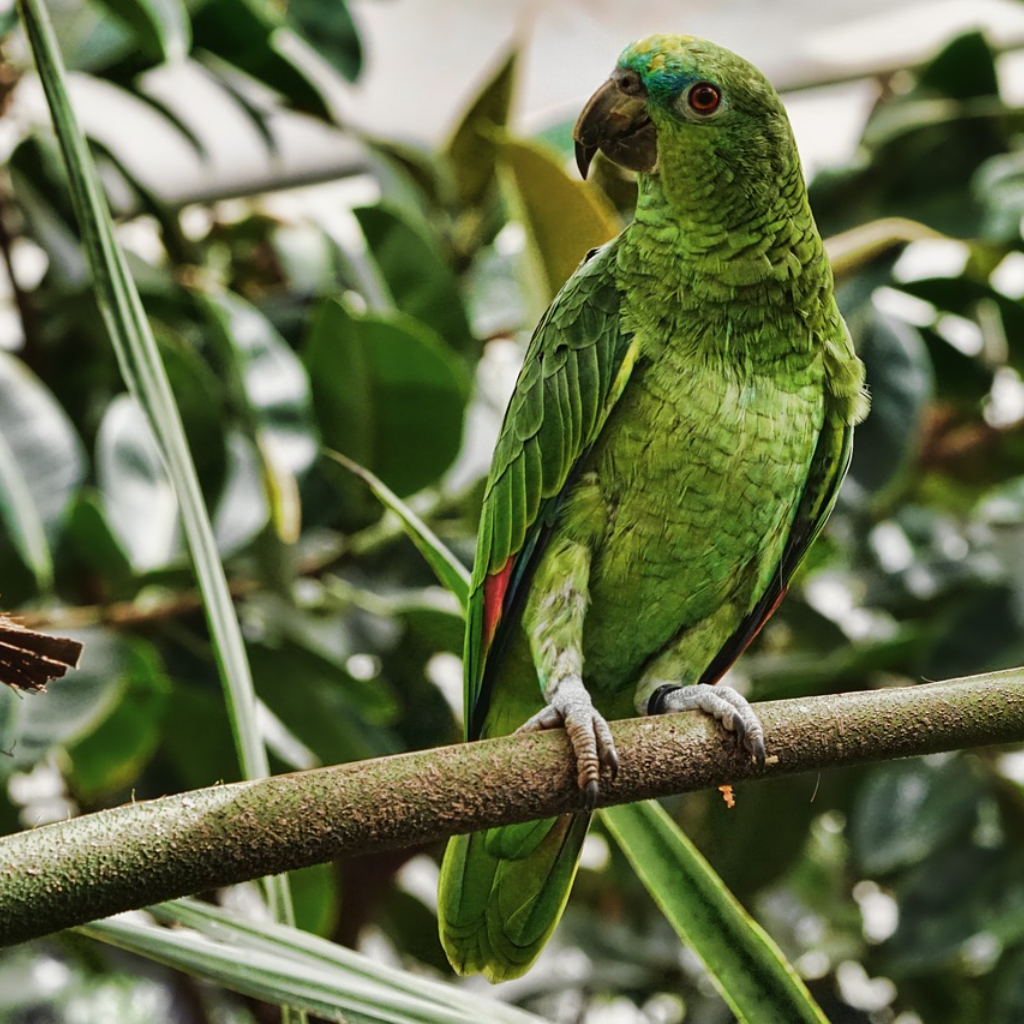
(451, 573)
(745, 964)
(472, 149)
(564, 218)
(285, 965)
(161, 27)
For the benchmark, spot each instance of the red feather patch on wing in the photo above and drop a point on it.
(495, 587)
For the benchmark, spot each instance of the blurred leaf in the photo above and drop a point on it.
(563, 218)
(248, 34)
(275, 382)
(1008, 1004)
(387, 393)
(747, 967)
(161, 27)
(197, 738)
(339, 718)
(76, 706)
(420, 280)
(979, 633)
(285, 965)
(451, 573)
(41, 465)
(963, 69)
(242, 512)
(89, 541)
(329, 29)
(472, 150)
(138, 498)
(112, 756)
(899, 377)
(316, 894)
(956, 898)
(907, 811)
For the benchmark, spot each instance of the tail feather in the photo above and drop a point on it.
(503, 891)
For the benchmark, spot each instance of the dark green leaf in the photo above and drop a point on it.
(899, 377)
(387, 393)
(329, 29)
(420, 280)
(908, 810)
(161, 27)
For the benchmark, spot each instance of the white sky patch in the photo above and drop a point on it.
(1006, 399)
(861, 991)
(880, 913)
(363, 667)
(595, 855)
(1008, 277)
(931, 257)
(908, 308)
(444, 670)
(419, 877)
(891, 547)
(963, 334)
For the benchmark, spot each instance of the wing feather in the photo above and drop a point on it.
(571, 377)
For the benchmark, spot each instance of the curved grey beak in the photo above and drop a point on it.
(615, 121)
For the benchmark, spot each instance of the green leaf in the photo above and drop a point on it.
(75, 707)
(42, 464)
(329, 29)
(387, 393)
(901, 382)
(249, 34)
(161, 27)
(285, 965)
(137, 495)
(908, 810)
(745, 964)
(451, 573)
(420, 280)
(113, 755)
(965, 68)
(564, 218)
(473, 150)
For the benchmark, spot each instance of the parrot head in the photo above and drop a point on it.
(679, 100)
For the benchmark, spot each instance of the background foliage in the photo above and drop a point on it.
(895, 889)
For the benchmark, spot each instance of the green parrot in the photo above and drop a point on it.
(675, 442)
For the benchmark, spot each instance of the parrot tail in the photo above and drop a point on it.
(502, 892)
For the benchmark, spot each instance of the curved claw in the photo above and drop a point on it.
(589, 734)
(722, 703)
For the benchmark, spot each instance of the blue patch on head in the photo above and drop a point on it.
(660, 63)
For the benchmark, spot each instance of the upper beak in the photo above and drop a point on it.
(616, 123)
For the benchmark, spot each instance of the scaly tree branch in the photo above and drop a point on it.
(89, 867)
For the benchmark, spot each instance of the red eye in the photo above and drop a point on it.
(704, 98)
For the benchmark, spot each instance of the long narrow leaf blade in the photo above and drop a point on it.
(144, 373)
(447, 568)
(749, 969)
(285, 965)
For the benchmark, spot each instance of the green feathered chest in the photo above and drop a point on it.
(701, 466)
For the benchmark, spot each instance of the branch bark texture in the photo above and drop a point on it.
(75, 871)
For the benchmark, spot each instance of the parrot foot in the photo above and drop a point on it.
(570, 707)
(723, 703)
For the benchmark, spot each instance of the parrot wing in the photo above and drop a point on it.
(828, 467)
(576, 367)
